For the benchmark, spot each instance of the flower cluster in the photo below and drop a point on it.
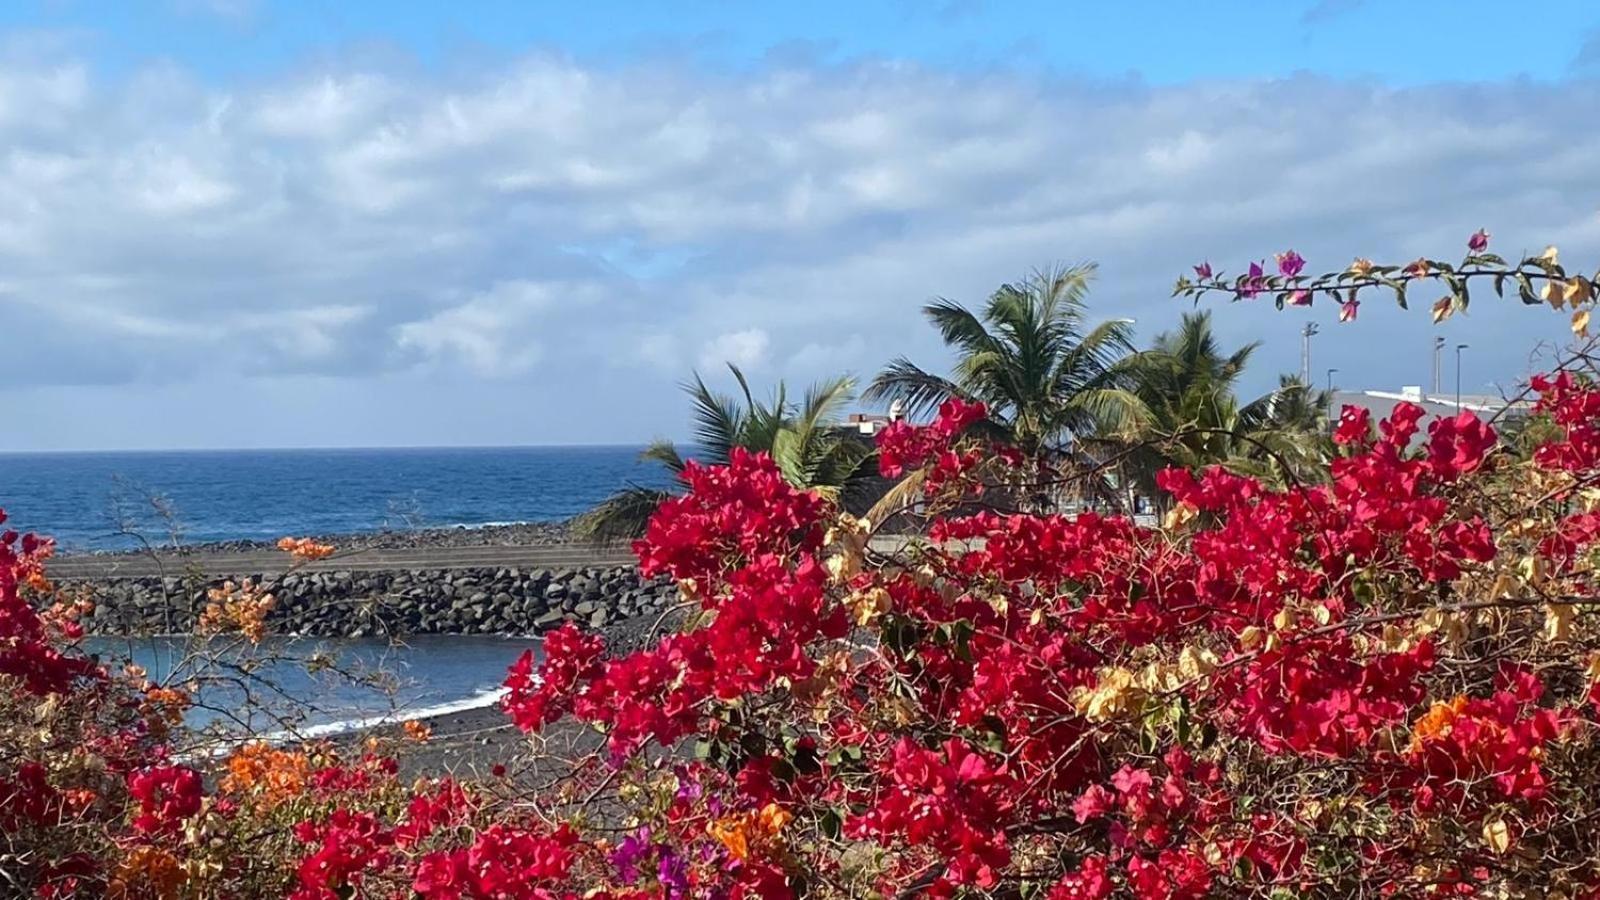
(305, 549)
(1220, 706)
(1384, 681)
(903, 446)
(1536, 279)
(241, 607)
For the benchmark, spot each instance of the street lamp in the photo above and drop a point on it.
(1330, 383)
(1305, 351)
(1459, 348)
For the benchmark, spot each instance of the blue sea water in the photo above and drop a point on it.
(265, 494)
(314, 686)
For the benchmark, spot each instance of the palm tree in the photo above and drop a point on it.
(1187, 384)
(801, 438)
(1047, 376)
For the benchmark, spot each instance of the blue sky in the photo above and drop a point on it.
(236, 223)
(1159, 41)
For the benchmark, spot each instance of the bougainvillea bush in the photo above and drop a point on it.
(1380, 684)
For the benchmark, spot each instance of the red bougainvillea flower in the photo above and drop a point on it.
(166, 796)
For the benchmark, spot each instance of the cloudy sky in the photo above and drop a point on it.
(238, 223)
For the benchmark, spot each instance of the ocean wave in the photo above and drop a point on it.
(338, 727)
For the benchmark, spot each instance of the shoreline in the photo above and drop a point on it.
(547, 533)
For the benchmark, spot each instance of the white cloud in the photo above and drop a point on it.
(489, 333)
(541, 222)
(746, 349)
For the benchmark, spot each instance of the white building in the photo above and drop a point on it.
(1382, 403)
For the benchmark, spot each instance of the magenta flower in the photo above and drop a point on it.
(1254, 283)
(1348, 310)
(1203, 271)
(1300, 297)
(633, 850)
(1290, 263)
(1479, 241)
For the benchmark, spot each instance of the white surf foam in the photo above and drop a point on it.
(362, 723)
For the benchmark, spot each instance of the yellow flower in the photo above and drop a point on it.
(1497, 835)
(1361, 266)
(1558, 621)
(867, 606)
(1115, 694)
(1552, 293)
(1179, 516)
(1577, 292)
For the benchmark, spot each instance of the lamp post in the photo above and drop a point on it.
(1305, 352)
(1459, 348)
(1330, 384)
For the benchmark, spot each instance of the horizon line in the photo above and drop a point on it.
(321, 448)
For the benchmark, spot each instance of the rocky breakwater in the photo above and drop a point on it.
(496, 601)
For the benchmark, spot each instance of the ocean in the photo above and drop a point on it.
(80, 498)
(321, 686)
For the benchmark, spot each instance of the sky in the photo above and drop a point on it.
(243, 223)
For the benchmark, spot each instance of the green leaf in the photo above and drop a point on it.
(1525, 289)
(1500, 285)
(831, 823)
(1400, 294)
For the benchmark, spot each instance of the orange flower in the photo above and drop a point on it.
(305, 549)
(147, 872)
(417, 731)
(242, 607)
(167, 705)
(1437, 721)
(731, 831)
(261, 770)
(773, 818)
(745, 833)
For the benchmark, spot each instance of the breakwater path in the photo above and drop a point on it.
(83, 567)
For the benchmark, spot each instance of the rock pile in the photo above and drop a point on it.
(505, 601)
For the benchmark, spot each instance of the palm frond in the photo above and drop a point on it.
(620, 517)
(664, 453)
(921, 391)
(824, 400)
(719, 424)
(899, 499)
